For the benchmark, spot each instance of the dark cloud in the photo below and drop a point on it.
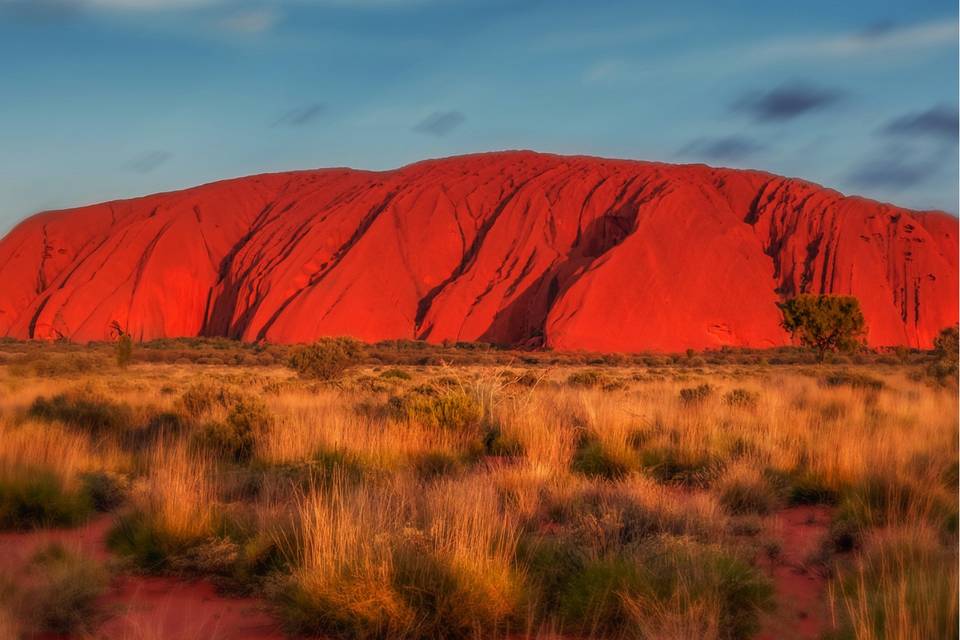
(302, 115)
(941, 122)
(786, 102)
(149, 161)
(723, 148)
(40, 11)
(440, 123)
(895, 168)
(879, 29)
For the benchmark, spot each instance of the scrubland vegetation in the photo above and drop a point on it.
(380, 493)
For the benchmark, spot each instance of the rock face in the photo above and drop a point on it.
(514, 248)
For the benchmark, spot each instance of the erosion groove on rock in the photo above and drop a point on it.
(514, 248)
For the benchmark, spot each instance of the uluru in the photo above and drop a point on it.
(514, 248)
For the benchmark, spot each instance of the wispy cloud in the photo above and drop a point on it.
(149, 161)
(251, 22)
(786, 102)
(302, 115)
(939, 122)
(440, 123)
(600, 38)
(867, 45)
(876, 39)
(605, 71)
(724, 148)
(137, 5)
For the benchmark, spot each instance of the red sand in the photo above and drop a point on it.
(143, 607)
(802, 612)
(515, 248)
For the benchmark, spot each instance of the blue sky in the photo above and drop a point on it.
(103, 99)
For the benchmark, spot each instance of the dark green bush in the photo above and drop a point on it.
(851, 379)
(326, 359)
(435, 463)
(236, 436)
(106, 490)
(695, 395)
(741, 398)
(740, 497)
(801, 487)
(84, 408)
(395, 374)
(449, 409)
(496, 443)
(36, 498)
(62, 592)
(586, 378)
(679, 467)
(944, 367)
(591, 459)
(202, 397)
(124, 351)
(595, 597)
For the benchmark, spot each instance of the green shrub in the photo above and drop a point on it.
(801, 487)
(673, 466)
(695, 395)
(57, 365)
(944, 367)
(106, 490)
(496, 443)
(124, 350)
(740, 398)
(63, 590)
(235, 438)
(593, 460)
(201, 398)
(84, 408)
(395, 374)
(37, 498)
(855, 380)
(615, 595)
(586, 378)
(433, 464)
(449, 409)
(742, 496)
(326, 359)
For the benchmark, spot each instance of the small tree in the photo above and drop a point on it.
(326, 359)
(124, 350)
(824, 322)
(946, 354)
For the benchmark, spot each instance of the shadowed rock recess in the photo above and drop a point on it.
(512, 248)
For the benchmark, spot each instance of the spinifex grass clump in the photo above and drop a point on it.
(43, 475)
(397, 561)
(60, 592)
(899, 587)
(174, 507)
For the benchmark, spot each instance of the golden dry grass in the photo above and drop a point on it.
(539, 516)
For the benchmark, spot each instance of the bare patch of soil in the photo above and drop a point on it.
(802, 610)
(146, 607)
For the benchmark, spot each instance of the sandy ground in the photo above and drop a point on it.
(147, 607)
(802, 611)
